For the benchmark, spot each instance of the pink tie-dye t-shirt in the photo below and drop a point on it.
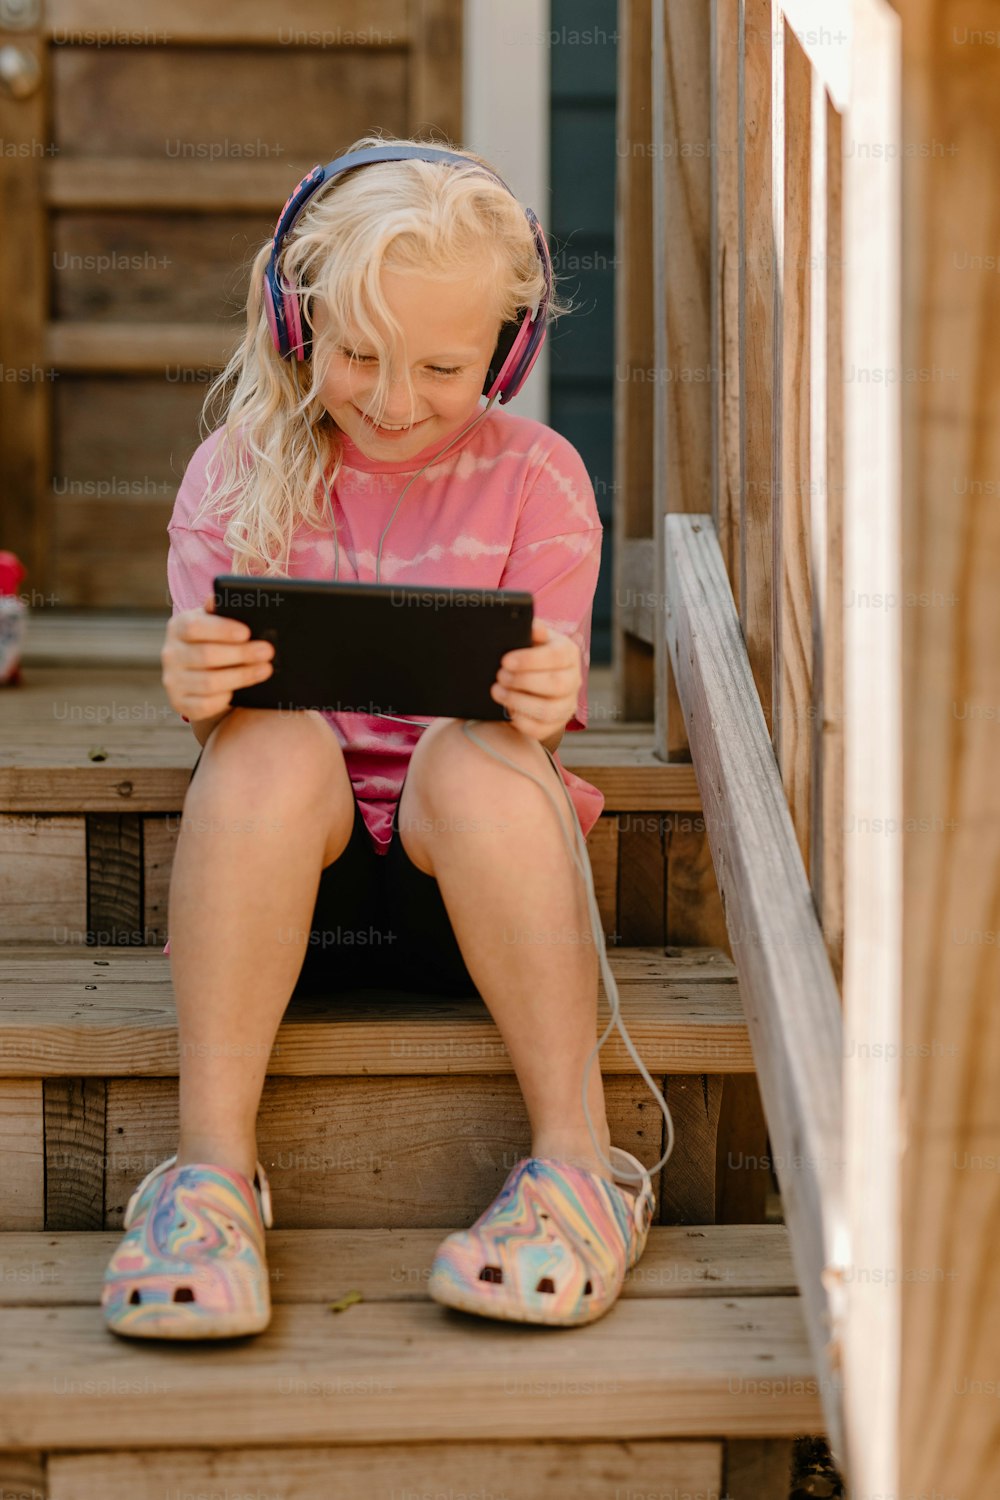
(509, 506)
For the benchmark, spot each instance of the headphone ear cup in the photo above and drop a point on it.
(298, 341)
(274, 314)
(522, 359)
(499, 363)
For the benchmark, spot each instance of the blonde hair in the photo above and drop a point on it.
(433, 217)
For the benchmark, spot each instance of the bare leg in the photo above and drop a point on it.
(270, 807)
(519, 910)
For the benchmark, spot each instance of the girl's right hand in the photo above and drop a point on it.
(206, 657)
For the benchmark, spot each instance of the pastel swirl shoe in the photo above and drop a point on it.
(553, 1247)
(192, 1263)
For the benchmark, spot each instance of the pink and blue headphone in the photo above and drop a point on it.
(519, 342)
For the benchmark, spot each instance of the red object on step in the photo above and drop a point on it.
(13, 619)
(12, 570)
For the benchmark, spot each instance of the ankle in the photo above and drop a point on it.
(575, 1148)
(217, 1151)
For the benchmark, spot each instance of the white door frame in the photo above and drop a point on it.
(505, 117)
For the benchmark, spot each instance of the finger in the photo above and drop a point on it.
(557, 651)
(223, 680)
(553, 682)
(535, 705)
(199, 625)
(201, 655)
(557, 669)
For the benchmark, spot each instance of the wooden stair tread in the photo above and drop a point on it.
(95, 638)
(65, 1269)
(59, 716)
(72, 1011)
(397, 1369)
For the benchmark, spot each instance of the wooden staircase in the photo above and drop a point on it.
(387, 1119)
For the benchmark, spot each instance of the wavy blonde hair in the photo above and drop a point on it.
(433, 217)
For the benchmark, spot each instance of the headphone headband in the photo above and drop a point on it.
(519, 342)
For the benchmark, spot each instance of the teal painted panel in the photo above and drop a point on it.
(582, 40)
(583, 37)
(585, 417)
(583, 342)
(583, 170)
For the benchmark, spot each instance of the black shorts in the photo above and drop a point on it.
(379, 922)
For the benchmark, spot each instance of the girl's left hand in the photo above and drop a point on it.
(539, 686)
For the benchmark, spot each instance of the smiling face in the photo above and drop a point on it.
(448, 334)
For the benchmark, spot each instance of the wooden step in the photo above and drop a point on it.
(72, 1012)
(380, 1108)
(707, 1342)
(81, 738)
(95, 767)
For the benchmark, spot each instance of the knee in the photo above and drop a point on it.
(257, 752)
(453, 769)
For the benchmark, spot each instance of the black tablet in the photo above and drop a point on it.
(377, 648)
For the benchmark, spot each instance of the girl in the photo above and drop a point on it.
(404, 284)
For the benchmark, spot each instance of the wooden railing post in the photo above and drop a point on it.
(632, 655)
(756, 340)
(682, 429)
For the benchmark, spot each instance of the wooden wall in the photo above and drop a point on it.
(949, 1192)
(146, 157)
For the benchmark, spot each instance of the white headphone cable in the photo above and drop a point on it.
(578, 856)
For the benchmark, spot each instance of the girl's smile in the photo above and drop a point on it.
(391, 433)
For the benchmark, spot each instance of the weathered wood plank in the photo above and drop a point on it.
(792, 1005)
(725, 298)
(159, 842)
(23, 1476)
(180, 103)
(695, 917)
(140, 186)
(43, 879)
(757, 1469)
(642, 899)
(135, 777)
(116, 745)
(632, 513)
(22, 1151)
(408, 1151)
(114, 879)
(638, 610)
(667, 1368)
(26, 389)
(531, 1471)
(82, 638)
(756, 341)
(315, 1265)
(743, 1155)
(435, 76)
(110, 1012)
(689, 1192)
(921, 968)
(137, 348)
(792, 576)
(236, 23)
(827, 869)
(682, 186)
(74, 1152)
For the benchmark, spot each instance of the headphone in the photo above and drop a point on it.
(519, 342)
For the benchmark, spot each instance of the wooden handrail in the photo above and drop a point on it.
(786, 983)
